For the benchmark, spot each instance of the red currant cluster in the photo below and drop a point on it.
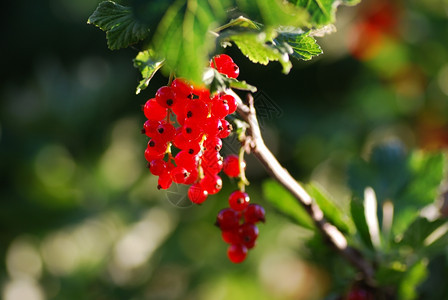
(185, 125)
(238, 225)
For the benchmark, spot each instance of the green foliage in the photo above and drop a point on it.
(259, 48)
(322, 12)
(220, 82)
(189, 30)
(183, 36)
(336, 215)
(285, 203)
(121, 27)
(148, 65)
(304, 46)
(407, 289)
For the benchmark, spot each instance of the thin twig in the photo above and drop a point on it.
(280, 174)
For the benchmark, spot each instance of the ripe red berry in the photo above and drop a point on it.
(220, 108)
(153, 110)
(191, 130)
(156, 147)
(231, 102)
(150, 155)
(239, 200)
(231, 236)
(228, 219)
(165, 132)
(212, 183)
(197, 110)
(179, 174)
(254, 213)
(181, 88)
(186, 160)
(227, 129)
(248, 234)
(212, 126)
(157, 166)
(213, 143)
(150, 127)
(212, 167)
(165, 97)
(237, 253)
(197, 194)
(164, 181)
(232, 165)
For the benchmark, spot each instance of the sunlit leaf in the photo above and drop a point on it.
(285, 203)
(148, 65)
(119, 23)
(332, 213)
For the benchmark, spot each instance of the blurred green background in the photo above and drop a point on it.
(80, 215)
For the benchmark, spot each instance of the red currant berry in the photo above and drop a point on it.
(186, 160)
(212, 167)
(231, 102)
(192, 177)
(212, 183)
(213, 143)
(165, 97)
(254, 213)
(197, 110)
(181, 88)
(197, 194)
(165, 132)
(213, 126)
(157, 167)
(150, 128)
(227, 129)
(239, 200)
(237, 253)
(220, 108)
(218, 61)
(156, 147)
(232, 165)
(164, 181)
(150, 155)
(191, 130)
(248, 234)
(231, 236)
(179, 174)
(228, 219)
(153, 110)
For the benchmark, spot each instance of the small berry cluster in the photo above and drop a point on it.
(238, 225)
(185, 125)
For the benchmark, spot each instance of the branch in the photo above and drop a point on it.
(256, 145)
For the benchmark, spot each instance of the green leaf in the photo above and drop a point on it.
(183, 36)
(305, 47)
(323, 12)
(261, 48)
(390, 274)
(359, 218)
(274, 12)
(148, 65)
(427, 172)
(286, 204)
(331, 212)
(219, 82)
(411, 280)
(416, 235)
(121, 28)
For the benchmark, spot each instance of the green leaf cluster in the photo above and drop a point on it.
(188, 31)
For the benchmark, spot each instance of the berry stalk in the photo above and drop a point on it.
(254, 143)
